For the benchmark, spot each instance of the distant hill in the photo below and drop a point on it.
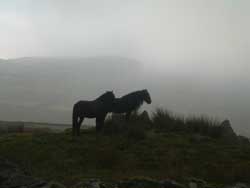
(44, 89)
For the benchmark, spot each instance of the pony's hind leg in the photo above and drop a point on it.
(127, 116)
(98, 126)
(100, 123)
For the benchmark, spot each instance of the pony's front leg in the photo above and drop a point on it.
(79, 125)
(74, 126)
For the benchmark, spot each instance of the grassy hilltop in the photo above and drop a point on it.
(167, 146)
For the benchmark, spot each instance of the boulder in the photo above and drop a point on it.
(92, 183)
(171, 184)
(52, 185)
(196, 183)
(139, 183)
(228, 133)
(241, 185)
(238, 185)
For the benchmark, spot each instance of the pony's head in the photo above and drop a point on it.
(146, 96)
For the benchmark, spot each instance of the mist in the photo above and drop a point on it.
(192, 56)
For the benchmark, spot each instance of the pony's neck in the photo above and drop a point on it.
(101, 97)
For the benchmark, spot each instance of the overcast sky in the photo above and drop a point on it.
(152, 30)
(205, 43)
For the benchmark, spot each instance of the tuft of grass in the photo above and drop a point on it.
(164, 120)
(204, 126)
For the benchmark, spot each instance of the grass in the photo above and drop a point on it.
(159, 155)
(126, 150)
(164, 120)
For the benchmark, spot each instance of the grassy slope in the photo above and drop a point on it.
(159, 155)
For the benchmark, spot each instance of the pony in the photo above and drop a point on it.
(97, 108)
(131, 102)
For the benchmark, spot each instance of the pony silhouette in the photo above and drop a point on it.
(97, 108)
(131, 102)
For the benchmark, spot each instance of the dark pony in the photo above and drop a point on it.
(131, 102)
(97, 108)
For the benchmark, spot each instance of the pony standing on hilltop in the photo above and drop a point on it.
(97, 108)
(131, 102)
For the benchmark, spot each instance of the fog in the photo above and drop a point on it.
(193, 56)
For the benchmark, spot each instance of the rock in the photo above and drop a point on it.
(240, 185)
(93, 183)
(192, 185)
(197, 183)
(52, 185)
(171, 184)
(228, 133)
(139, 183)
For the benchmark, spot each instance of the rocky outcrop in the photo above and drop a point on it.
(228, 133)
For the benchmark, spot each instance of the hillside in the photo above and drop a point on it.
(135, 151)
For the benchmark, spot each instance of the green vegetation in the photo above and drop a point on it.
(123, 150)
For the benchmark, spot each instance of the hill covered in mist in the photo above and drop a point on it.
(44, 89)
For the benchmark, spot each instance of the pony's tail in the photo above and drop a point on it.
(74, 120)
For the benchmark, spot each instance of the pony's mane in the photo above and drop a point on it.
(104, 95)
(136, 97)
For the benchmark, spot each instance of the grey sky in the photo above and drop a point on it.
(199, 47)
(156, 31)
